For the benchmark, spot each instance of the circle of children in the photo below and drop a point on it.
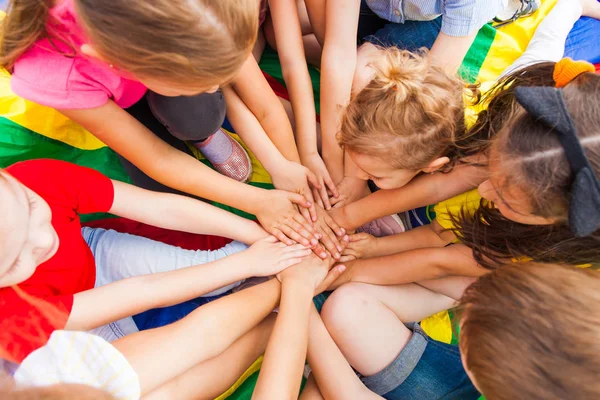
(516, 188)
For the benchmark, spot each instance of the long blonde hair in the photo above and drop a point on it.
(408, 114)
(181, 42)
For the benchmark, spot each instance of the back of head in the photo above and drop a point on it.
(533, 332)
(529, 156)
(407, 115)
(191, 43)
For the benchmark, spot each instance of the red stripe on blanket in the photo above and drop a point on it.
(184, 240)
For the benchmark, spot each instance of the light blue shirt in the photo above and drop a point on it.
(459, 17)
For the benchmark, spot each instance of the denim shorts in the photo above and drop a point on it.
(411, 35)
(424, 369)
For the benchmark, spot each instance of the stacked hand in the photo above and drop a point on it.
(314, 271)
(269, 257)
(360, 245)
(325, 184)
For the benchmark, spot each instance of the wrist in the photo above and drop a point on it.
(300, 286)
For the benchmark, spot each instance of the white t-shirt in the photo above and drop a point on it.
(80, 358)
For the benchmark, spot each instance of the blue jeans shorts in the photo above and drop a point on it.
(424, 369)
(411, 35)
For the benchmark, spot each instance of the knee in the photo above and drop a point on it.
(345, 306)
(190, 118)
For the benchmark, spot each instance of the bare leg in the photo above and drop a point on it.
(213, 377)
(367, 321)
(311, 390)
(312, 48)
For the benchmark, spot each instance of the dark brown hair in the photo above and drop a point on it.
(529, 156)
(186, 43)
(408, 114)
(532, 331)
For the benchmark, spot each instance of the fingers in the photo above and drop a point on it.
(304, 228)
(299, 199)
(331, 243)
(332, 276)
(284, 264)
(337, 201)
(318, 198)
(313, 180)
(305, 212)
(271, 239)
(334, 226)
(357, 237)
(281, 236)
(347, 258)
(320, 251)
(331, 186)
(323, 195)
(291, 232)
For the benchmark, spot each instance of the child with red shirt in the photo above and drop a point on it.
(83, 272)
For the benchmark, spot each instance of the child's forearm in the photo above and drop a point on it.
(286, 24)
(422, 191)
(161, 354)
(105, 304)
(163, 162)
(335, 377)
(256, 94)
(422, 237)
(413, 266)
(181, 213)
(281, 371)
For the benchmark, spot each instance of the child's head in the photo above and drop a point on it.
(175, 47)
(532, 331)
(531, 184)
(404, 121)
(27, 237)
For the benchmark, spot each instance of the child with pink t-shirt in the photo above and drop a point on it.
(138, 75)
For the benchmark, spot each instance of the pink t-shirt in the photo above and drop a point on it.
(55, 73)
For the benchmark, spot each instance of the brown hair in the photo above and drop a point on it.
(183, 42)
(408, 114)
(530, 157)
(532, 331)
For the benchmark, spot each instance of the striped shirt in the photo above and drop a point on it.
(459, 17)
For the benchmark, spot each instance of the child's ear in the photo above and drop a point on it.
(436, 164)
(90, 51)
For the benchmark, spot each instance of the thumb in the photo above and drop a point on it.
(333, 274)
(270, 239)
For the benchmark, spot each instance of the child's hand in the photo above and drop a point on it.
(315, 163)
(332, 236)
(351, 189)
(296, 178)
(314, 271)
(361, 245)
(280, 217)
(269, 257)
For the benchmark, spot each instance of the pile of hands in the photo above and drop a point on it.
(305, 205)
(301, 216)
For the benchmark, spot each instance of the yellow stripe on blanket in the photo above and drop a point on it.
(253, 368)
(510, 42)
(45, 121)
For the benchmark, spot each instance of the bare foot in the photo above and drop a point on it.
(591, 8)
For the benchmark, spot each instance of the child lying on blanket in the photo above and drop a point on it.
(367, 134)
(180, 361)
(507, 347)
(46, 253)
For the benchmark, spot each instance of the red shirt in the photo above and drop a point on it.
(69, 190)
